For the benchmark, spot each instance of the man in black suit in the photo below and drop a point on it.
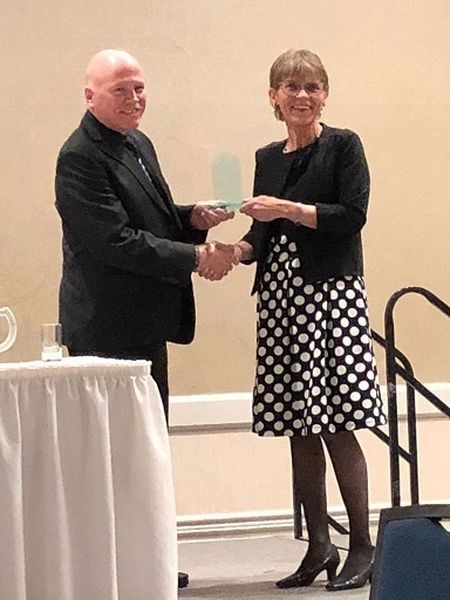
(128, 250)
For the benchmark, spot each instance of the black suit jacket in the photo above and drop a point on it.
(128, 250)
(331, 174)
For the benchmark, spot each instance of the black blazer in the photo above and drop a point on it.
(128, 250)
(333, 175)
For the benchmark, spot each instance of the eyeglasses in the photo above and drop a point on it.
(293, 88)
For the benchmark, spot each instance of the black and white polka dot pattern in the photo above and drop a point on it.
(316, 370)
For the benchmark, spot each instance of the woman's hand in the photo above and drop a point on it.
(267, 208)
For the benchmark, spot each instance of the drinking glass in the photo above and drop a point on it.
(51, 338)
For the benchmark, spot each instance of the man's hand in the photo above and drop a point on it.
(215, 260)
(205, 217)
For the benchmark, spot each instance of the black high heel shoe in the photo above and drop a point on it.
(304, 576)
(354, 575)
(358, 580)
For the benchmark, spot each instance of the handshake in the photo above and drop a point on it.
(215, 259)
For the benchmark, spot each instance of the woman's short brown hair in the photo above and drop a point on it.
(299, 64)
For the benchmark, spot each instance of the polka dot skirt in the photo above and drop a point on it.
(316, 370)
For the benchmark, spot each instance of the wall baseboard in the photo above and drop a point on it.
(199, 527)
(233, 524)
(223, 525)
(207, 413)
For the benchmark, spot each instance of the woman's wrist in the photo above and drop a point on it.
(242, 251)
(296, 213)
(303, 214)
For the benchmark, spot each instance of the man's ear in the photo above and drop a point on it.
(89, 97)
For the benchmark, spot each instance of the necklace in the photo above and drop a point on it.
(317, 131)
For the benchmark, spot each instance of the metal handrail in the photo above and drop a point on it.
(413, 384)
(409, 454)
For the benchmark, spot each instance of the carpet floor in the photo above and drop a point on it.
(245, 568)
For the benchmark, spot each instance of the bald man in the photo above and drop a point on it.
(128, 250)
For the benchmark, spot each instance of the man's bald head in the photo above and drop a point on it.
(115, 91)
(107, 61)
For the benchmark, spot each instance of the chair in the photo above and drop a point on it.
(412, 556)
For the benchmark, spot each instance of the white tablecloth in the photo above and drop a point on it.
(87, 507)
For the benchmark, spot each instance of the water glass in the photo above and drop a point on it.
(51, 339)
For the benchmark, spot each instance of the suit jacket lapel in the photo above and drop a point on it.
(138, 172)
(152, 166)
(108, 143)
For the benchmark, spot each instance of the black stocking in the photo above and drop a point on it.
(351, 472)
(308, 462)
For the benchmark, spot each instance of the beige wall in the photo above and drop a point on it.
(242, 473)
(207, 63)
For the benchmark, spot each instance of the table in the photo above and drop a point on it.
(87, 508)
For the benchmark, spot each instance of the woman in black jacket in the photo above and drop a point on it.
(316, 378)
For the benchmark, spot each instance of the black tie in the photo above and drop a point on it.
(130, 144)
(132, 147)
